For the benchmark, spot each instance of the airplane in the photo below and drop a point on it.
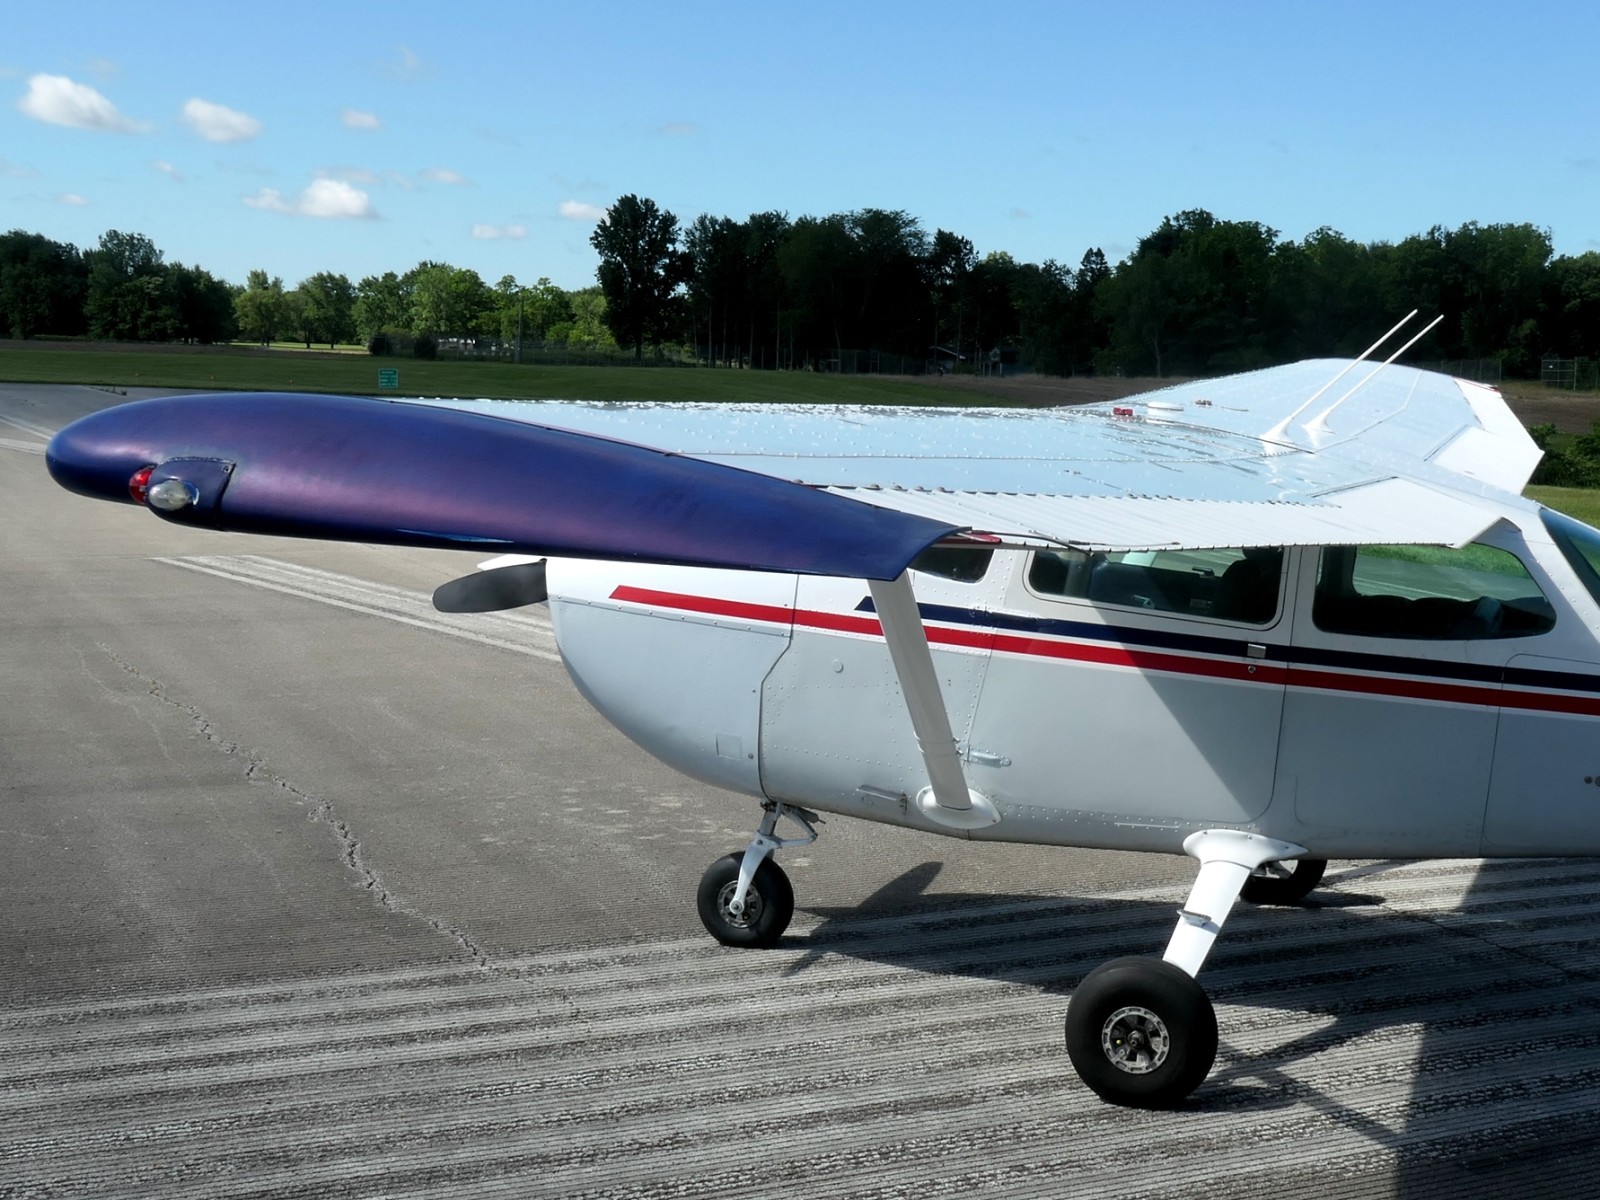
(1264, 620)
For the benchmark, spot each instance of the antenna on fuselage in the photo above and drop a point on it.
(1280, 431)
(1319, 424)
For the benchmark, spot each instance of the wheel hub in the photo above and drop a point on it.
(1135, 1040)
(752, 906)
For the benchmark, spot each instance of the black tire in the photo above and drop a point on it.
(1283, 882)
(767, 907)
(1141, 1033)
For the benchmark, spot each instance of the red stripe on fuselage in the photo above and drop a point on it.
(1111, 654)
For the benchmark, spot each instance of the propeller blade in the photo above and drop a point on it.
(493, 591)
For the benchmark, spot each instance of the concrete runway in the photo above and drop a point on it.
(311, 891)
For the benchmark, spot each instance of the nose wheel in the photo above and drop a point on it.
(768, 903)
(746, 899)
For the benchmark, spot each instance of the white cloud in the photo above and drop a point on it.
(409, 68)
(1020, 214)
(355, 118)
(445, 175)
(57, 100)
(577, 210)
(363, 176)
(328, 199)
(217, 123)
(678, 129)
(350, 175)
(167, 169)
(331, 198)
(71, 199)
(494, 233)
(17, 170)
(102, 69)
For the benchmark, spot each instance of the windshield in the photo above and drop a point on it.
(1580, 545)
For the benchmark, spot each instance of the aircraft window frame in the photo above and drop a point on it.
(1237, 585)
(1428, 594)
(1579, 545)
(959, 564)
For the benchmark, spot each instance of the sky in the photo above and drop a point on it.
(358, 138)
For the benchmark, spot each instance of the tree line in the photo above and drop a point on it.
(124, 290)
(1198, 295)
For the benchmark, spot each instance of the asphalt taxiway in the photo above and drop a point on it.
(310, 890)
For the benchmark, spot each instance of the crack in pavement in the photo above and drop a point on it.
(320, 809)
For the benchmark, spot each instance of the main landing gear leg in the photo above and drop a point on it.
(746, 899)
(1140, 1031)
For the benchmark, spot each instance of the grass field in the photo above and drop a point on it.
(1580, 503)
(357, 374)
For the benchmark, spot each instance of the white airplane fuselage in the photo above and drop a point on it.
(1112, 723)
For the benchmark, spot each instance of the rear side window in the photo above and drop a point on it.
(1226, 584)
(1431, 593)
(960, 563)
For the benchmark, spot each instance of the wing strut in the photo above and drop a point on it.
(947, 799)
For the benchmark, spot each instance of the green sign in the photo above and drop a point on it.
(389, 377)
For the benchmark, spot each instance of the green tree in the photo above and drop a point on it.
(764, 303)
(1090, 332)
(330, 308)
(382, 306)
(950, 262)
(42, 286)
(714, 248)
(128, 294)
(1502, 269)
(640, 271)
(1046, 316)
(815, 261)
(995, 280)
(539, 307)
(204, 305)
(890, 281)
(1572, 306)
(1195, 297)
(510, 307)
(261, 309)
(450, 301)
(587, 327)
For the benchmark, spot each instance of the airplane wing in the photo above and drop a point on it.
(1316, 452)
(1273, 457)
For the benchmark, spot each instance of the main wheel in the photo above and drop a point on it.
(1141, 1033)
(768, 904)
(1283, 882)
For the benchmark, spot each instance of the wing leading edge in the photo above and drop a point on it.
(348, 469)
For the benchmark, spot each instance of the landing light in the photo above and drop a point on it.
(172, 494)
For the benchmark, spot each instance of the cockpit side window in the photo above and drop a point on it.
(1579, 544)
(1429, 593)
(1230, 584)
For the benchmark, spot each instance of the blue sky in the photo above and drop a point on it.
(363, 138)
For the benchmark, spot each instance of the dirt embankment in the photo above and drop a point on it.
(1040, 391)
(225, 351)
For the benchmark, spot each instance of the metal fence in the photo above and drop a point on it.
(1573, 374)
(1479, 370)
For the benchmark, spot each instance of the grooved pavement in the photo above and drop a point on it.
(912, 1055)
